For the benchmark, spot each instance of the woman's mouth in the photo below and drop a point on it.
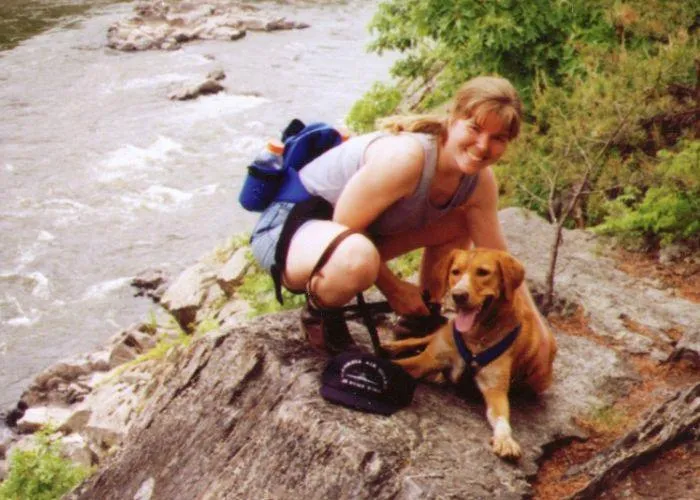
(476, 159)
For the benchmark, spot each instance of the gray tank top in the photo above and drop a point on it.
(327, 175)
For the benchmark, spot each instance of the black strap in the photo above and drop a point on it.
(371, 328)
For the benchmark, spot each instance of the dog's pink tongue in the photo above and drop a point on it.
(465, 320)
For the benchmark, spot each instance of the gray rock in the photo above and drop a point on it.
(192, 92)
(113, 407)
(130, 343)
(185, 296)
(688, 348)
(217, 74)
(7, 437)
(165, 27)
(145, 492)
(232, 273)
(41, 416)
(75, 448)
(625, 309)
(677, 418)
(149, 282)
(249, 400)
(66, 382)
(673, 253)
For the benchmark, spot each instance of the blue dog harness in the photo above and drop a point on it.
(477, 362)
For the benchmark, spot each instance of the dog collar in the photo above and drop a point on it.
(476, 362)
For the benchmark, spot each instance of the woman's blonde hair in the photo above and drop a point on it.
(475, 99)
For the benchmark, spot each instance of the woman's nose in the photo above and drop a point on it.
(482, 143)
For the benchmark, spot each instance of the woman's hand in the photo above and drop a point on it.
(406, 299)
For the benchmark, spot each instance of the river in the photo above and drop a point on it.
(104, 177)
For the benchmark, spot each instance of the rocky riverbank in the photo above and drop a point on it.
(160, 25)
(200, 401)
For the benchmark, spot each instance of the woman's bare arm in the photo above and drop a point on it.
(392, 170)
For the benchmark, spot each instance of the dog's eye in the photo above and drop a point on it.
(482, 272)
(454, 272)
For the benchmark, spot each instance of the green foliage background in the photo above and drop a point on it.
(612, 87)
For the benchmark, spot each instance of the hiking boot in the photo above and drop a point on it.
(326, 330)
(419, 326)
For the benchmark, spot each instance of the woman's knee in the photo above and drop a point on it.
(356, 262)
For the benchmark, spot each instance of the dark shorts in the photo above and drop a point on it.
(274, 230)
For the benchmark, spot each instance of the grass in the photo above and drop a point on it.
(606, 420)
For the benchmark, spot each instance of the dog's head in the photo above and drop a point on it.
(479, 280)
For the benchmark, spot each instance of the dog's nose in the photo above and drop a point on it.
(460, 298)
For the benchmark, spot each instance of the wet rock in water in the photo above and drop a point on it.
(165, 26)
(217, 74)
(192, 92)
(151, 283)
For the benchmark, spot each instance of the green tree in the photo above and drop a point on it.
(445, 42)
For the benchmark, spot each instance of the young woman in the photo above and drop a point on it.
(423, 183)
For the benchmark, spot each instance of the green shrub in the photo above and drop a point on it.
(668, 211)
(381, 100)
(614, 119)
(41, 473)
(258, 290)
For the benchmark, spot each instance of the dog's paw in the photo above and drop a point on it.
(506, 447)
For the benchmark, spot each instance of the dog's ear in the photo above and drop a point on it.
(513, 274)
(441, 275)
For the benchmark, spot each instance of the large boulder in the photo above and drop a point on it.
(634, 313)
(243, 417)
(237, 412)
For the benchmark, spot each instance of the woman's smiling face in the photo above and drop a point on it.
(477, 142)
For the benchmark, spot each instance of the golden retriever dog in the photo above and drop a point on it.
(494, 335)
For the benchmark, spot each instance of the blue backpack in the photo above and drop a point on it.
(302, 144)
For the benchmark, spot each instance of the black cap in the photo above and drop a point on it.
(365, 382)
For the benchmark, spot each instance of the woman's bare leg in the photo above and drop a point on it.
(352, 267)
